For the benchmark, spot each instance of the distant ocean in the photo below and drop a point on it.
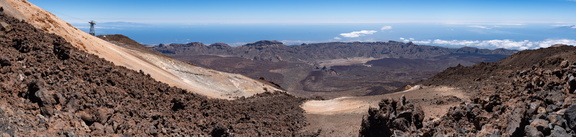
(511, 36)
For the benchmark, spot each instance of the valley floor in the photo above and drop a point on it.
(343, 116)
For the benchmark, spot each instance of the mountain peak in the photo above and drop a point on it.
(195, 44)
(219, 46)
(266, 43)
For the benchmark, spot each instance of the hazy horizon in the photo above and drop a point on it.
(510, 36)
(485, 24)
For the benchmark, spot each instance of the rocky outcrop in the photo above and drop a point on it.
(393, 118)
(533, 100)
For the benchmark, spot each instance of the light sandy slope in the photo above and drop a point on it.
(345, 62)
(342, 116)
(176, 73)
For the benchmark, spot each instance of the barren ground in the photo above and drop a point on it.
(162, 68)
(342, 116)
(345, 62)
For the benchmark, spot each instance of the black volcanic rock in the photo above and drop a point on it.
(391, 118)
(570, 116)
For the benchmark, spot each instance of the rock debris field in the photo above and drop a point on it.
(50, 88)
(530, 93)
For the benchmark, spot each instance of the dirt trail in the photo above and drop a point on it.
(173, 72)
(342, 116)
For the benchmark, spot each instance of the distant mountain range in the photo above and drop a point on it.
(277, 51)
(332, 69)
(566, 28)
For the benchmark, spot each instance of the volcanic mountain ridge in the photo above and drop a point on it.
(266, 50)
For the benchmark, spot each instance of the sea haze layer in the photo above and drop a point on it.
(483, 35)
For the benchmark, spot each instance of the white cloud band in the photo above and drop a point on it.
(505, 43)
(386, 28)
(355, 34)
(482, 27)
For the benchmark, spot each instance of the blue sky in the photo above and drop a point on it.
(511, 24)
(313, 11)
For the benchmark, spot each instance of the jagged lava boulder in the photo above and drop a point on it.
(400, 118)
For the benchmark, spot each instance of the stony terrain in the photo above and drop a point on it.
(331, 70)
(50, 88)
(207, 82)
(530, 93)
